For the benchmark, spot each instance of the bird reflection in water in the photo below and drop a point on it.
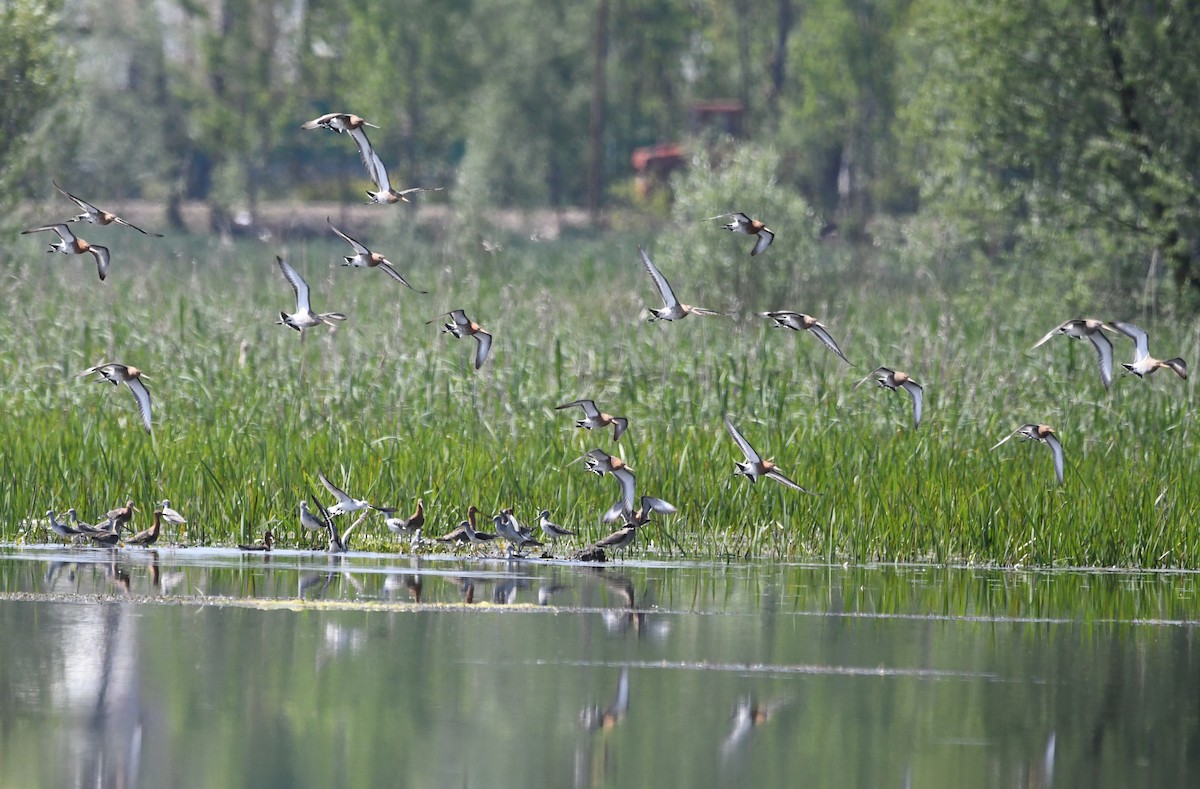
(593, 755)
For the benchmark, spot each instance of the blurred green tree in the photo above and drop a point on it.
(1061, 129)
(35, 82)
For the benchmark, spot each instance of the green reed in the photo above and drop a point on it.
(246, 413)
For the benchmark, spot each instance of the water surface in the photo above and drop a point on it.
(214, 668)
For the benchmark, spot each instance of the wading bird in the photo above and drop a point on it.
(748, 227)
(1143, 363)
(410, 525)
(364, 257)
(303, 318)
(59, 528)
(672, 309)
(268, 542)
(1044, 434)
(149, 536)
(754, 466)
(71, 244)
(798, 321)
(894, 379)
(95, 216)
(552, 530)
(1092, 329)
(170, 515)
(131, 377)
(593, 417)
(122, 515)
(462, 326)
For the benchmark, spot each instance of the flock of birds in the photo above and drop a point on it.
(631, 511)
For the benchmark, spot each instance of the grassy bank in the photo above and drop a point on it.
(246, 414)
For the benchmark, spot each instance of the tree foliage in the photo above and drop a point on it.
(35, 77)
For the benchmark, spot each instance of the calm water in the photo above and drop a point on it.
(208, 668)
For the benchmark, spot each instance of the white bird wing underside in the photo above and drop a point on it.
(358, 247)
(918, 398)
(143, 400)
(589, 407)
(340, 494)
(481, 350)
(765, 237)
(821, 334)
(298, 285)
(664, 287)
(743, 444)
(1140, 341)
(1056, 447)
(1050, 334)
(1104, 351)
(628, 483)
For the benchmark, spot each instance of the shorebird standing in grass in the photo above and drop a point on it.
(672, 309)
(71, 244)
(1092, 329)
(552, 530)
(95, 216)
(122, 515)
(303, 318)
(746, 226)
(798, 321)
(268, 542)
(508, 529)
(754, 466)
(461, 326)
(1045, 434)
(170, 515)
(1143, 363)
(894, 379)
(593, 417)
(59, 528)
(131, 377)
(475, 537)
(149, 536)
(364, 257)
(411, 525)
(309, 520)
(459, 534)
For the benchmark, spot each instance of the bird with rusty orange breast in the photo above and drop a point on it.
(364, 257)
(673, 309)
(593, 417)
(1143, 363)
(94, 216)
(71, 244)
(1092, 330)
(130, 376)
(754, 465)
(798, 321)
(1044, 434)
(461, 326)
(746, 226)
(337, 122)
(896, 379)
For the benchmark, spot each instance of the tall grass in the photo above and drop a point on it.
(246, 413)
